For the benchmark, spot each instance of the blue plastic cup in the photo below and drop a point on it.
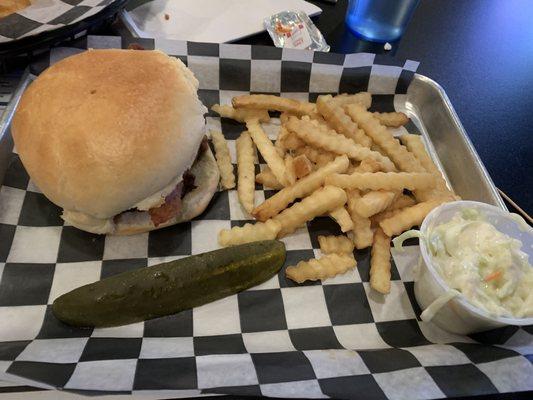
(379, 20)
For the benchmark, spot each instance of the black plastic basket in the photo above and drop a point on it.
(29, 47)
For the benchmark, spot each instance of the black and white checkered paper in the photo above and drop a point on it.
(47, 15)
(336, 338)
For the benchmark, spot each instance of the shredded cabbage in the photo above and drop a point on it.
(431, 310)
(522, 224)
(398, 241)
(471, 213)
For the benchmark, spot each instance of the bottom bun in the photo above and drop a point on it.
(194, 203)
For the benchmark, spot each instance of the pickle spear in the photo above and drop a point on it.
(171, 287)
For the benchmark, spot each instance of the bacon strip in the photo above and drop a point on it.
(172, 205)
(169, 208)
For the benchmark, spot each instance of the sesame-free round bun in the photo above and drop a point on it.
(103, 130)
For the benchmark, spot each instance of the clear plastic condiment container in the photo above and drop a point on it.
(448, 309)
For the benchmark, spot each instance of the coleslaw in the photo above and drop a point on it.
(484, 264)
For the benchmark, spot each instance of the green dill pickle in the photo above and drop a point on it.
(170, 287)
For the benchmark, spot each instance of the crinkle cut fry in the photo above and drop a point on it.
(342, 218)
(382, 180)
(392, 119)
(335, 143)
(320, 158)
(335, 244)
(362, 231)
(240, 115)
(267, 150)
(327, 266)
(274, 103)
(403, 159)
(363, 98)
(303, 187)
(380, 263)
(246, 171)
(290, 173)
(342, 123)
(321, 201)
(408, 217)
(374, 202)
(279, 143)
(401, 201)
(389, 213)
(284, 117)
(227, 178)
(249, 233)
(291, 141)
(268, 180)
(415, 145)
(368, 165)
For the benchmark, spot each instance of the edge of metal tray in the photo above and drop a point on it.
(429, 107)
(6, 141)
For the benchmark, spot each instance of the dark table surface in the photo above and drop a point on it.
(481, 52)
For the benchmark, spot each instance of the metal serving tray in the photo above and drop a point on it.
(426, 104)
(430, 109)
(6, 142)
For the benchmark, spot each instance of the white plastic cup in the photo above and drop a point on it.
(458, 315)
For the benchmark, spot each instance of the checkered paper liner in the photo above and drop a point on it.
(47, 15)
(335, 338)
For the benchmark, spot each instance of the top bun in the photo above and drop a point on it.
(100, 131)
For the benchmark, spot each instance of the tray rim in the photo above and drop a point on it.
(5, 121)
(466, 139)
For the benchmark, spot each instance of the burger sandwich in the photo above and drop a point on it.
(117, 139)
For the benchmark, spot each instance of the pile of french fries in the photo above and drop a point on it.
(335, 158)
